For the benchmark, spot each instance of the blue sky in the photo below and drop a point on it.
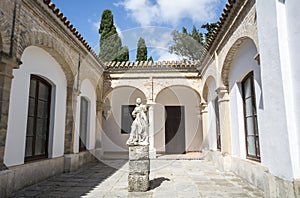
(153, 20)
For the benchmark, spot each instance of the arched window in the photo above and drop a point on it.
(250, 118)
(38, 119)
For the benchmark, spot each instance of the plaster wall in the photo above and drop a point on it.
(87, 91)
(274, 126)
(211, 96)
(293, 37)
(178, 96)
(38, 62)
(112, 139)
(242, 64)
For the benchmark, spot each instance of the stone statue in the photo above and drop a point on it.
(140, 125)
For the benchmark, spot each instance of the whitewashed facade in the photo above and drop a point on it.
(239, 105)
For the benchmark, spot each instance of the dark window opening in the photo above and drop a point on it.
(218, 131)
(127, 118)
(250, 118)
(83, 128)
(38, 119)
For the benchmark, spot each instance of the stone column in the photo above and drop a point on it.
(224, 113)
(139, 168)
(152, 150)
(98, 145)
(204, 114)
(7, 64)
(71, 159)
(70, 120)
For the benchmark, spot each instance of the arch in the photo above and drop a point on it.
(117, 100)
(184, 98)
(230, 57)
(209, 86)
(36, 61)
(177, 85)
(4, 33)
(53, 47)
(88, 92)
(122, 86)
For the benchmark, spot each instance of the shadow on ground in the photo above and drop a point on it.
(75, 184)
(155, 183)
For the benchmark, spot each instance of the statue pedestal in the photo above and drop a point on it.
(139, 168)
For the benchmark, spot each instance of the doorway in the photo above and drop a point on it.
(175, 130)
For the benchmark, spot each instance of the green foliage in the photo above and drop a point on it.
(198, 36)
(209, 28)
(186, 46)
(191, 45)
(123, 54)
(150, 59)
(110, 43)
(141, 54)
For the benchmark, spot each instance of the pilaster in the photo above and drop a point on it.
(204, 114)
(224, 114)
(7, 64)
(152, 150)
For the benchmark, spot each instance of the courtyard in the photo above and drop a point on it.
(169, 177)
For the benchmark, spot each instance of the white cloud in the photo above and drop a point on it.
(172, 12)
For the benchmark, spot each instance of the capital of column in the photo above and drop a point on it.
(150, 103)
(7, 64)
(99, 106)
(223, 94)
(203, 107)
(9, 60)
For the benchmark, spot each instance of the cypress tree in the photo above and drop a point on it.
(110, 42)
(150, 59)
(141, 54)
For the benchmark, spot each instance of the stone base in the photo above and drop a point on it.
(138, 183)
(139, 169)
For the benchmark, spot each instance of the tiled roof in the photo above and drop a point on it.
(159, 65)
(68, 24)
(221, 22)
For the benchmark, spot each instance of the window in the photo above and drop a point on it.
(218, 131)
(127, 118)
(37, 133)
(84, 110)
(250, 118)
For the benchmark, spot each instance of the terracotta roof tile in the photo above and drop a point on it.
(220, 23)
(144, 65)
(70, 26)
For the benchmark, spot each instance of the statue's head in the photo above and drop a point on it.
(138, 101)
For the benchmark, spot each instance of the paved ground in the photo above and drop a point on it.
(169, 178)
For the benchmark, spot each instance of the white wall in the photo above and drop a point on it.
(293, 38)
(275, 144)
(242, 64)
(38, 62)
(87, 90)
(178, 96)
(112, 139)
(211, 96)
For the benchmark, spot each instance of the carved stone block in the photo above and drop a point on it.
(139, 167)
(138, 152)
(138, 183)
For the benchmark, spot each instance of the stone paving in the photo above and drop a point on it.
(169, 178)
